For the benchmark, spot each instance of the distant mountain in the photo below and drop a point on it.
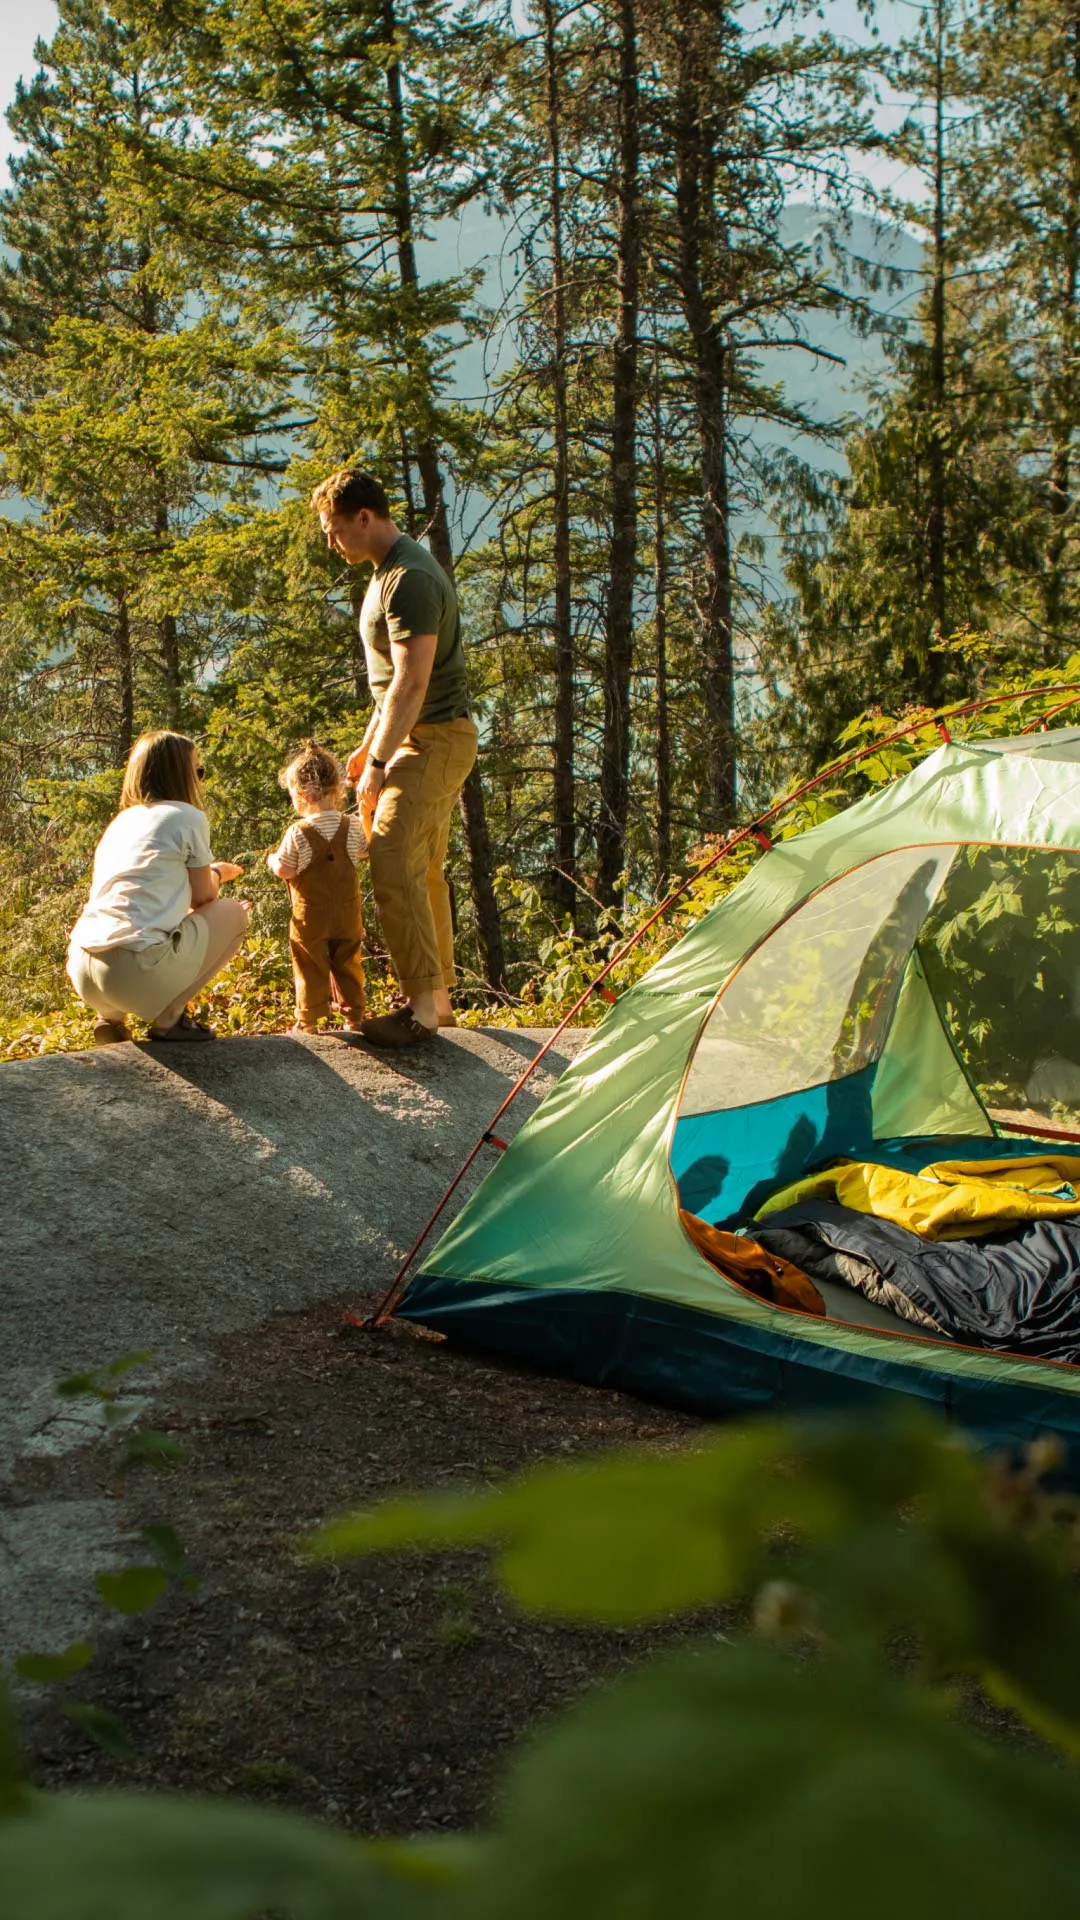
(825, 389)
(828, 391)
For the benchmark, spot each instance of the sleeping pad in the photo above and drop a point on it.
(1015, 1291)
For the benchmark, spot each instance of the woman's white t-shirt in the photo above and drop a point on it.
(140, 890)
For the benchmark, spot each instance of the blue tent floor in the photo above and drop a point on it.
(710, 1366)
(713, 1366)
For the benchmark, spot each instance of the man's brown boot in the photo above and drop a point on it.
(398, 1029)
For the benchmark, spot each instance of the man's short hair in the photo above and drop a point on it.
(349, 491)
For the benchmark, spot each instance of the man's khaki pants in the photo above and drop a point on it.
(408, 851)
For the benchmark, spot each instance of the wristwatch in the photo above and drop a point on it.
(381, 764)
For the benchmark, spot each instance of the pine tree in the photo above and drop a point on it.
(339, 139)
(131, 426)
(1020, 192)
(734, 120)
(564, 823)
(958, 510)
(614, 796)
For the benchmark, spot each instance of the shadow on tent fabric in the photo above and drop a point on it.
(800, 1151)
(750, 1151)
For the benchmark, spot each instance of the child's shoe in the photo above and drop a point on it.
(185, 1029)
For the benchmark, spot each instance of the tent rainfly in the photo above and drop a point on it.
(810, 1014)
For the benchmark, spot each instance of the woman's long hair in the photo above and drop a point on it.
(161, 766)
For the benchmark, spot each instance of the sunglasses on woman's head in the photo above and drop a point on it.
(200, 773)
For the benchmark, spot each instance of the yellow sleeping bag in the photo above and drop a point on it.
(949, 1199)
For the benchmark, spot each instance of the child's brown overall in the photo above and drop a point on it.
(326, 932)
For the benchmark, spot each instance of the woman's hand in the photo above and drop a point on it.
(228, 870)
(355, 764)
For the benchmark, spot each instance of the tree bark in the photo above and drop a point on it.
(710, 377)
(937, 531)
(473, 803)
(357, 657)
(473, 809)
(619, 625)
(168, 636)
(564, 891)
(407, 486)
(170, 666)
(660, 580)
(125, 732)
(1064, 400)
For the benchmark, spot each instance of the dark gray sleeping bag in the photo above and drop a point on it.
(1017, 1291)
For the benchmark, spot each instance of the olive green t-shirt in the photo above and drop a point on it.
(409, 595)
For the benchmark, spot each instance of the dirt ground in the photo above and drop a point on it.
(383, 1695)
(197, 1197)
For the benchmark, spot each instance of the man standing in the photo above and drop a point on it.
(418, 749)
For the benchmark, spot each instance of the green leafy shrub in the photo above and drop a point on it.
(802, 1772)
(254, 995)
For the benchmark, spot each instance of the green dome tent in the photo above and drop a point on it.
(899, 981)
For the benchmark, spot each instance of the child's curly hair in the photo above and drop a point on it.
(314, 771)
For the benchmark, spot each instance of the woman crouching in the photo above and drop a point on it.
(153, 931)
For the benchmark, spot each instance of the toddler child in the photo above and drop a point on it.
(317, 858)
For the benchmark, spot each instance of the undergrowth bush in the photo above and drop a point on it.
(817, 1765)
(39, 904)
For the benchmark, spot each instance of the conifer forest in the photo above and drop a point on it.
(729, 360)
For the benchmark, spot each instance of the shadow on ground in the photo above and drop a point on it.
(163, 1197)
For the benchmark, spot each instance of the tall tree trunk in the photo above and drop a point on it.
(357, 657)
(619, 634)
(407, 485)
(660, 582)
(473, 809)
(1063, 406)
(717, 615)
(125, 673)
(936, 516)
(168, 637)
(170, 666)
(473, 805)
(564, 891)
(709, 370)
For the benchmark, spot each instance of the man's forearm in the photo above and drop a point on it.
(369, 731)
(397, 717)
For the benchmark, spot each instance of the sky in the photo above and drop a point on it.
(22, 22)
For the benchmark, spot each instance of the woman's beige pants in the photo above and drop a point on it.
(155, 983)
